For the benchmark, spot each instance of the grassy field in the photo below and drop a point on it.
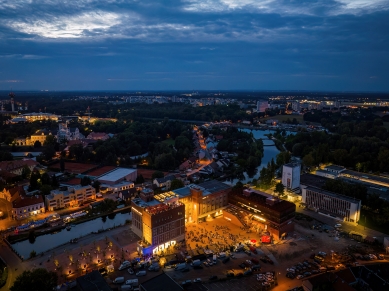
(281, 118)
(366, 220)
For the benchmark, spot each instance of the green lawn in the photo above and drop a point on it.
(281, 118)
(366, 220)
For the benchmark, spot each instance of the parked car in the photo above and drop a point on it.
(197, 280)
(124, 265)
(213, 278)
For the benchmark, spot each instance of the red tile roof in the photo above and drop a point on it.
(13, 165)
(24, 201)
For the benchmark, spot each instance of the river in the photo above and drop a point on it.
(270, 151)
(46, 242)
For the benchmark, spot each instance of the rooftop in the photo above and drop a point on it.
(292, 165)
(100, 171)
(335, 168)
(165, 196)
(161, 282)
(116, 174)
(214, 186)
(332, 194)
(280, 206)
(24, 201)
(162, 207)
(313, 180)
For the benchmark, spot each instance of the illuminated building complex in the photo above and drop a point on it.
(332, 204)
(160, 219)
(160, 225)
(274, 214)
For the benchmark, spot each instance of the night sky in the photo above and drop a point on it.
(326, 45)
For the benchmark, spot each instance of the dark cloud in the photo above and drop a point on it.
(204, 44)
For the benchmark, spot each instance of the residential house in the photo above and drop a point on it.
(16, 167)
(71, 196)
(185, 165)
(164, 182)
(26, 206)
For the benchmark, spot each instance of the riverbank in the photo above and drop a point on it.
(12, 239)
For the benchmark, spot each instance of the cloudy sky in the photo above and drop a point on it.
(332, 45)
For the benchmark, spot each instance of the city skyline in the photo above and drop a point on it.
(338, 45)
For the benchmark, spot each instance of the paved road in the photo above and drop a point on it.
(346, 226)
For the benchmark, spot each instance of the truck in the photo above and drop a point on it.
(180, 267)
(196, 263)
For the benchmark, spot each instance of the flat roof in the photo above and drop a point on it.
(335, 167)
(116, 174)
(333, 194)
(161, 282)
(100, 171)
(313, 180)
(367, 177)
(182, 192)
(292, 165)
(214, 186)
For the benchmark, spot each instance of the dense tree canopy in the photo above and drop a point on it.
(37, 279)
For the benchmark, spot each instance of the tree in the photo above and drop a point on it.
(26, 172)
(45, 189)
(6, 156)
(85, 181)
(37, 144)
(62, 165)
(358, 166)
(45, 179)
(176, 184)
(308, 160)
(139, 179)
(38, 279)
(157, 174)
(34, 181)
(54, 181)
(279, 189)
(48, 152)
(96, 184)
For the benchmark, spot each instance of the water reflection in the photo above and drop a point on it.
(46, 242)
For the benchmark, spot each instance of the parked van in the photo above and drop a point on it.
(154, 267)
(124, 265)
(119, 280)
(132, 282)
(141, 273)
(196, 263)
(126, 287)
(180, 267)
